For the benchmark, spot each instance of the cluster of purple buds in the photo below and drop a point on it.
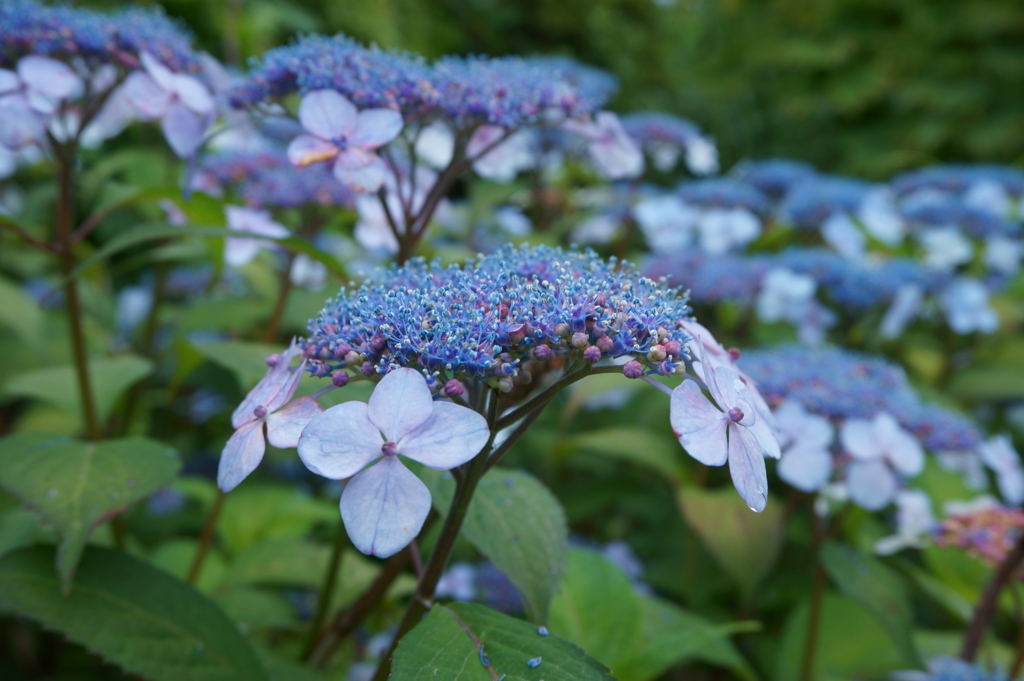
(987, 534)
(485, 319)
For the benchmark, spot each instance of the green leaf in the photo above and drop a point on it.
(672, 636)
(247, 361)
(519, 525)
(285, 561)
(881, 591)
(19, 312)
(133, 615)
(254, 513)
(447, 644)
(633, 445)
(941, 594)
(153, 232)
(111, 376)
(257, 608)
(598, 609)
(999, 383)
(745, 544)
(77, 485)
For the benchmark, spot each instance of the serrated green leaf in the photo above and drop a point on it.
(867, 581)
(58, 385)
(951, 601)
(598, 609)
(247, 361)
(77, 485)
(519, 525)
(745, 544)
(254, 608)
(19, 312)
(133, 615)
(672, 636)
(440, 647)
(633, 445)
(254, 513)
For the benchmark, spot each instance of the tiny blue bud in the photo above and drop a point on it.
(542, 630)
(534, 663)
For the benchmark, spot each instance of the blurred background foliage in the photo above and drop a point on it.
(865, 87)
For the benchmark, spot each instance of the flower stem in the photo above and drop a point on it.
(205, 538)
(274, 323)
(985, 611)
(817, 598)
(327, 590)
(424, 596)
(542, 398)
(64, 225)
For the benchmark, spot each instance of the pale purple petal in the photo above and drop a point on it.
(400, 403)
(254, 222)
(239, 252)
(806, 468)
(146, 95)
(340, 442)
(730, 391)
(20, 126)
(40, 103)
(746, 466)
(375, 127)
(699, 425)
(162, 75)
(902, 449)
(193, 94)
(287, 388)
(285, 426)
(359, 170)
(384, 508)
(9, 81)
(307, 149)
(50, 77)
(327, 114)
(483, 137)
(241, 455)
(451, 436)
(183, 129)
(765, 437)
(858, 439)
(269, 386)
(872, 484)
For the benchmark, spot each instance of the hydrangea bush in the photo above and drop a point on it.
(354, 364)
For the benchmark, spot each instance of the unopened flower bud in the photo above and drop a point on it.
(664, 368)
(273, 360)
(657, 353)
(580, 340)
(377, 344)
(543, 353)
(318, 368)
(506, 384)
(562, 329)
(524, 377)
(735, 414)
(367, 369)
(592, 353)
(633, 369)
(734, 353)
(353, 358)
(672, 348)
(339, 378)
(604, 343)
(454, 388)
(341, 350)
(517, 336)
(662, 333)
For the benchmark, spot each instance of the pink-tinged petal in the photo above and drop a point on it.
(698, 424)
(184, 130)
(50, 77)
(858, 438)
(146, 95)
(327, 114)
(162, 75)
(451, 436)
(340, 442)
(384, 508)
(359, 170)
(241, 455)
(9, 81)
(400, 403)
(305, 150)
(20, 126)
(285, 426)
(746, 466)
(902, 449)
(264, 391)
(193, 94)
(872, 485)
(375, 127)
(806, 468)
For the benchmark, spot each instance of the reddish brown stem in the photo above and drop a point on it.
(985, 611)
(206, 538)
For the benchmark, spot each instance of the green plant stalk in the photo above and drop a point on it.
(206, 538)
(327, 590)
(285, 288)
(424, 596)
(64, 225)
(817, 598)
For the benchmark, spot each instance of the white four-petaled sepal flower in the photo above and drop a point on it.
(184, 105)
(881, 448)
(614, 153)
(806, 460)
(729, 432)
(239, 250)
(337, 131)
(384, 505)
(267, 403)
(999, 455)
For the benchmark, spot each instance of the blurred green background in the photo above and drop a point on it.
(866, 87)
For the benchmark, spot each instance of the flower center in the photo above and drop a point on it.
(389, 448)
(736, 414)
(260, 411)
